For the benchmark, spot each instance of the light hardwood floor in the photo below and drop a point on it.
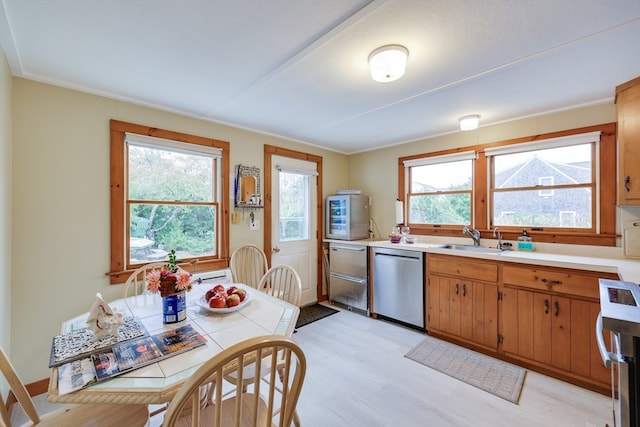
(358, 376)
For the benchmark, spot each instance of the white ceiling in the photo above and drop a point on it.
(298, 68)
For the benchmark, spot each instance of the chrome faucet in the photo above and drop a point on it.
(473, 233)
(496, 230)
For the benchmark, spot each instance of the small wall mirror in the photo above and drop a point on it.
(247, 187)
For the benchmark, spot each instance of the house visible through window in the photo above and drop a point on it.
(545, 184)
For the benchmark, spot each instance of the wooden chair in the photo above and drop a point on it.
(85, 414)
(136, 284)
(282, 282)
(248, 264)
(244, 408)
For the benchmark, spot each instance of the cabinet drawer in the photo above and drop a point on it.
(463, 267)
(570, 282)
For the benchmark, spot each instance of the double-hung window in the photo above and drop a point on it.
(167, 194)
(440, 189)
(548, 184)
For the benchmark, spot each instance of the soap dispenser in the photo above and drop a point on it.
(525, 243)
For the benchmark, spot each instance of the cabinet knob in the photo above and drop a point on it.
(627, 180)
(551, 282)
(464, 289)
(556, 308)
(546, 306)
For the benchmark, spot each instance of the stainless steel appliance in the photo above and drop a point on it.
(398, 285)
(620, 314)
(348, 275)
(347, 217)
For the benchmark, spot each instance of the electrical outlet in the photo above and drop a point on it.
(255, 225)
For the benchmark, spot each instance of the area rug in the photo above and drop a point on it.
(499, 378)
(312, 313)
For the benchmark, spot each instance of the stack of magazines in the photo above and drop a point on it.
(124, 356)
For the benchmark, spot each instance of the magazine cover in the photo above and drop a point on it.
(105, 365)
(136, 353)
(75, 375)
(178, 340)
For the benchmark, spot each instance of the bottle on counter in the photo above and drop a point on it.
(525, 242)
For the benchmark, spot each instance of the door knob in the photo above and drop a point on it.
(275, 250)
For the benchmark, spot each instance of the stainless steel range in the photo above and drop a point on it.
(620, 314)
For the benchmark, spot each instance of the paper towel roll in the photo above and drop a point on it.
(399, 213)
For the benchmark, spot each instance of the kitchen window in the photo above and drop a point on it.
(440, 189)
(167, 193)
(540, 183)
(561, 186)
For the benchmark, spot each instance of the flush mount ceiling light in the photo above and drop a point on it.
(469, 122)
(388, 63)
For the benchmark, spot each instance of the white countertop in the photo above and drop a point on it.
(627, 269)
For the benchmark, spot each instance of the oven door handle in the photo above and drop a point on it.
(607, 356)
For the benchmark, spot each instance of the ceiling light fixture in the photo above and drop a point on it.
(470, 122)
(388, 63)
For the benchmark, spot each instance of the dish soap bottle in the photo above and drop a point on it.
(525, 243)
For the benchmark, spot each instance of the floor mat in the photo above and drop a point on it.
(312, 313)
(499, 378)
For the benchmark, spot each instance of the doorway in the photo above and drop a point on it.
(293, 216)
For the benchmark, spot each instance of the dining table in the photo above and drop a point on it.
(158, 382)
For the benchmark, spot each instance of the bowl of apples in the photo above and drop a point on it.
(224, 300)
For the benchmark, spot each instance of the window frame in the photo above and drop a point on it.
(119, 268)
(605, 234)
(470, 156)
(547, 190)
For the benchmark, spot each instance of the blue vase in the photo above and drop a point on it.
(174, 308)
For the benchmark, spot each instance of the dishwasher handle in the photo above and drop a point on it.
(354, 248)
(410, 257)
(607, 356)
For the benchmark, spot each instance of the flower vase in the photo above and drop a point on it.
(174, 308)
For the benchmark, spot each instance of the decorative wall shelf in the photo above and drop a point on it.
(247, 188)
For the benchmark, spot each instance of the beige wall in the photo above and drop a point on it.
(61, 203)
(376, 172)
(5, 204)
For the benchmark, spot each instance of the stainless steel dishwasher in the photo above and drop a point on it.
(398, 285)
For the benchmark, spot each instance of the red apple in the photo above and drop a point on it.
(241, 293)
(233, 300)
(211, 292)
(218, 301)
(218, 288)
(231, 289)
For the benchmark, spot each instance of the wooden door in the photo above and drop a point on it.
(517, 322)
(561, 344)
(485, 314)
(628, 106)
(455, 296)
(438, 303)
(467, 309)
(541, 310)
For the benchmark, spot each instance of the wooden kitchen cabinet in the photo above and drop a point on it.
(462, 299)
(628, 107)
(548, 319)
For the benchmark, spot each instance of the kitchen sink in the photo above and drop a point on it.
(472, 248)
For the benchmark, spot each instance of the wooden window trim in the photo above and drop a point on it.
(480, 198)
(118, 272)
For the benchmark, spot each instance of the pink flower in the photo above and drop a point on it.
(153, 281)
(184, 280)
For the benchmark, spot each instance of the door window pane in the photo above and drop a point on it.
(294, 206)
